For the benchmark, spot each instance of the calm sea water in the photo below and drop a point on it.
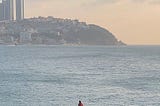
(63, 75)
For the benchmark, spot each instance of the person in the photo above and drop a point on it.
(80, 103)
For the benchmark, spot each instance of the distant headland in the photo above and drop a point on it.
(54, 31)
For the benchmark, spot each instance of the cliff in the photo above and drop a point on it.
(55, 31)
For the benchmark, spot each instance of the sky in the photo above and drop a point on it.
(135, 22)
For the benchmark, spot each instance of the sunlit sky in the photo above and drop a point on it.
(132, 21)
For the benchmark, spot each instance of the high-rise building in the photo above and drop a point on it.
(1, 11)
(19, 9)
(8, 9)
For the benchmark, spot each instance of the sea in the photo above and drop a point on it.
(62, 75)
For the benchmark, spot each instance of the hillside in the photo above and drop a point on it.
(54, 31)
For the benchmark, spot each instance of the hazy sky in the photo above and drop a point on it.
(132, 21)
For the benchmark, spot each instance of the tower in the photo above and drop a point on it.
(1, 11)
(19, 9)
(8, 9)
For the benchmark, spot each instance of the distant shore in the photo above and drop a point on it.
(55, 31)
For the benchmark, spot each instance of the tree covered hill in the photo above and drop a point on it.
(53, 31)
